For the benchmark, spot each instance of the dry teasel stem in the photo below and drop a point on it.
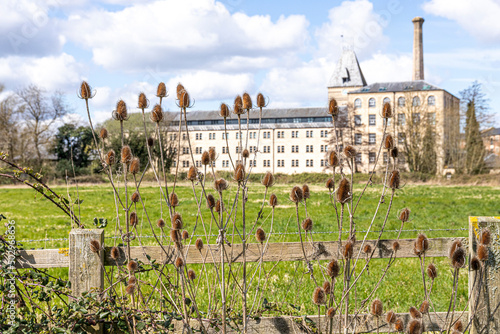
(349, 152)
(247, 101)
(421, 244)
(126, 154)
(210, 201)
(85, 91)
(133, 218)
(179, 262)
(103, 134)
(376, 308)
(485, 237)
(260, 235)
(95, 246)
(135, 166)
(261, 101)
(115, 253)
(239, 173)
(482, 252)
(394, 180)
(330, 313)
(330, 184)
(404, 215)
(198, 244)
(160, 223)
(296, 194)
(399, 325)
(348, 249)
(344, 191)
(130, 289)
(143, 101)
(135, 197)
(458, 258)
(221, 185)
(387, 110)
(151, 141)
(156, 114)
(177, 221)
(432, 271)
(192, 173)
(273, 200)
(475, 264)
(388, 142)
(161, 91)
(185, 235)
(390, 318)
(110, 158)
(212, 154)
(174, 236)
(174, 200)
(333, 159)
(132, 266)
(191, 274)
(424, 307)
(245, 153)
(224, 110)
(327, 287)
(306, 192)
(120, 113)
(307, 224)
(318, 296)
(205, 158)
(414, 313)
(333, 108)
(333, 268)
(268, 180)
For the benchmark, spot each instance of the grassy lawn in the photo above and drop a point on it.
(435, 209)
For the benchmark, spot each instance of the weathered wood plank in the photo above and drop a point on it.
(43, 258)
(485, 296)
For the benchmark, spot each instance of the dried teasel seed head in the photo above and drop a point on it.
(485, 236)
(318, 296)
(424, 307)
(103, 134)
(224, 110)
(482, 252)
(306, 192)
(396, 246)
(399, 325)
(132, 280)
(387, 110)
(161, 91)
(205, 158)
(327, 287)
(333, 159)
(238, 106)
(456, 243)
(133, 218)
(160, 223)
(135, 197)
(247, 101)
(177, 221)
(143, 101)
(367, 249)
(390, 317)
(261, 101)
(307, 224)
(132, 266)
(198, 244)
(130, 289)
(212, 154)
(330, 313)
(115, 253)
(85, 90)
(404, 215)
(185, 235)
(260, 235)
(459, 326)
(121, 112)
(151, 141)
(296, 194)
(174, 200)
(221, 185)
(156, 115)
(174, 236)
(126, 154)
(95, 246)
(432, 271)
(191, 274)
(376, 308)
(349, 152)
(348, 249)
(421, 244)
(475, 264)
(219, 207)
(239, 173)
(394, 152)
(268, 180)
(179, 262)
(394, 180)
(333, 108)
(179, 90)
(135, 165)
(192, 174)
(273, 200)
(245, 153)
(330, 184)
(185, 100)
(458, 258)
(110, 158)
(344, 191)
(415, 313)
(388, 142)
(414, 327)
(333, 268)
(210, 201)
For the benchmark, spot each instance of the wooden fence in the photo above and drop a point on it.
(85, 271)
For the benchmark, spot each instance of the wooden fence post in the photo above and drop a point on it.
(484, 303)
(86, 267)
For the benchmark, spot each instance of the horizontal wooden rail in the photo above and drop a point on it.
(286, 251)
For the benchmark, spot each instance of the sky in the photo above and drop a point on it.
(218, 49)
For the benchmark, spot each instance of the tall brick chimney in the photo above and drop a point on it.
(418, 49)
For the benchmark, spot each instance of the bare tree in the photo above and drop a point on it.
(39, 111)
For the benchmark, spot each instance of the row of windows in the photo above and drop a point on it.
(431, 101)
(263, 121)
(431, 117)
(253, 134)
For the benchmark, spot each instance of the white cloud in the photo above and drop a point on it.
(479, 17)
(387, 68)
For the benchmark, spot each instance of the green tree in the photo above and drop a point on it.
(428, 160)
(73, 143)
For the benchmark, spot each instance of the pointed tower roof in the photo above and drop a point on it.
(347, 73)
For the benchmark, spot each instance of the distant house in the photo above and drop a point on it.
(491, 140)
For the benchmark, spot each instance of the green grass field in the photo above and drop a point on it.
(438, 211)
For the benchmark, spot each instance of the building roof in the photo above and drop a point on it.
(347, 73)
(400, 86)
(491, 132)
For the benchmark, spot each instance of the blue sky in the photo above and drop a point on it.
(285, 49)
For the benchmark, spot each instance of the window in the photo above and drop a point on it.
(357, 120)
(281, 149)
(198, 150)
(211, 136)
(185, 150)
(309, 133)
(199, 136)
(401, 119)
(174, 163)
(281, 134)
(267, 163)
(173, 137)
(198, 163)
(371, 157)
(401, 137)
(237, 149)
(183, 136)
(295, 163)
(371, 138)
(309, 148)
(267, 134)
(371, 103)
(339, 133)
(416, 101)
(267, 149)
(357, 159)
(387, 120)
(225, 135)
(386, 100)
(357, 139)
(416, 118)
(401, 101)
(254, 163)
(431, 118)
(431, 100)
(324, 163)
(295, 134)
(253, 149)
(385, 157)
(224, 150)
(253, 135)
(372, 119)
(185, 163)
(309, 163)
(324, 133)
(324, 148)
(295, 148)
(357, 103)
(281, 163)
